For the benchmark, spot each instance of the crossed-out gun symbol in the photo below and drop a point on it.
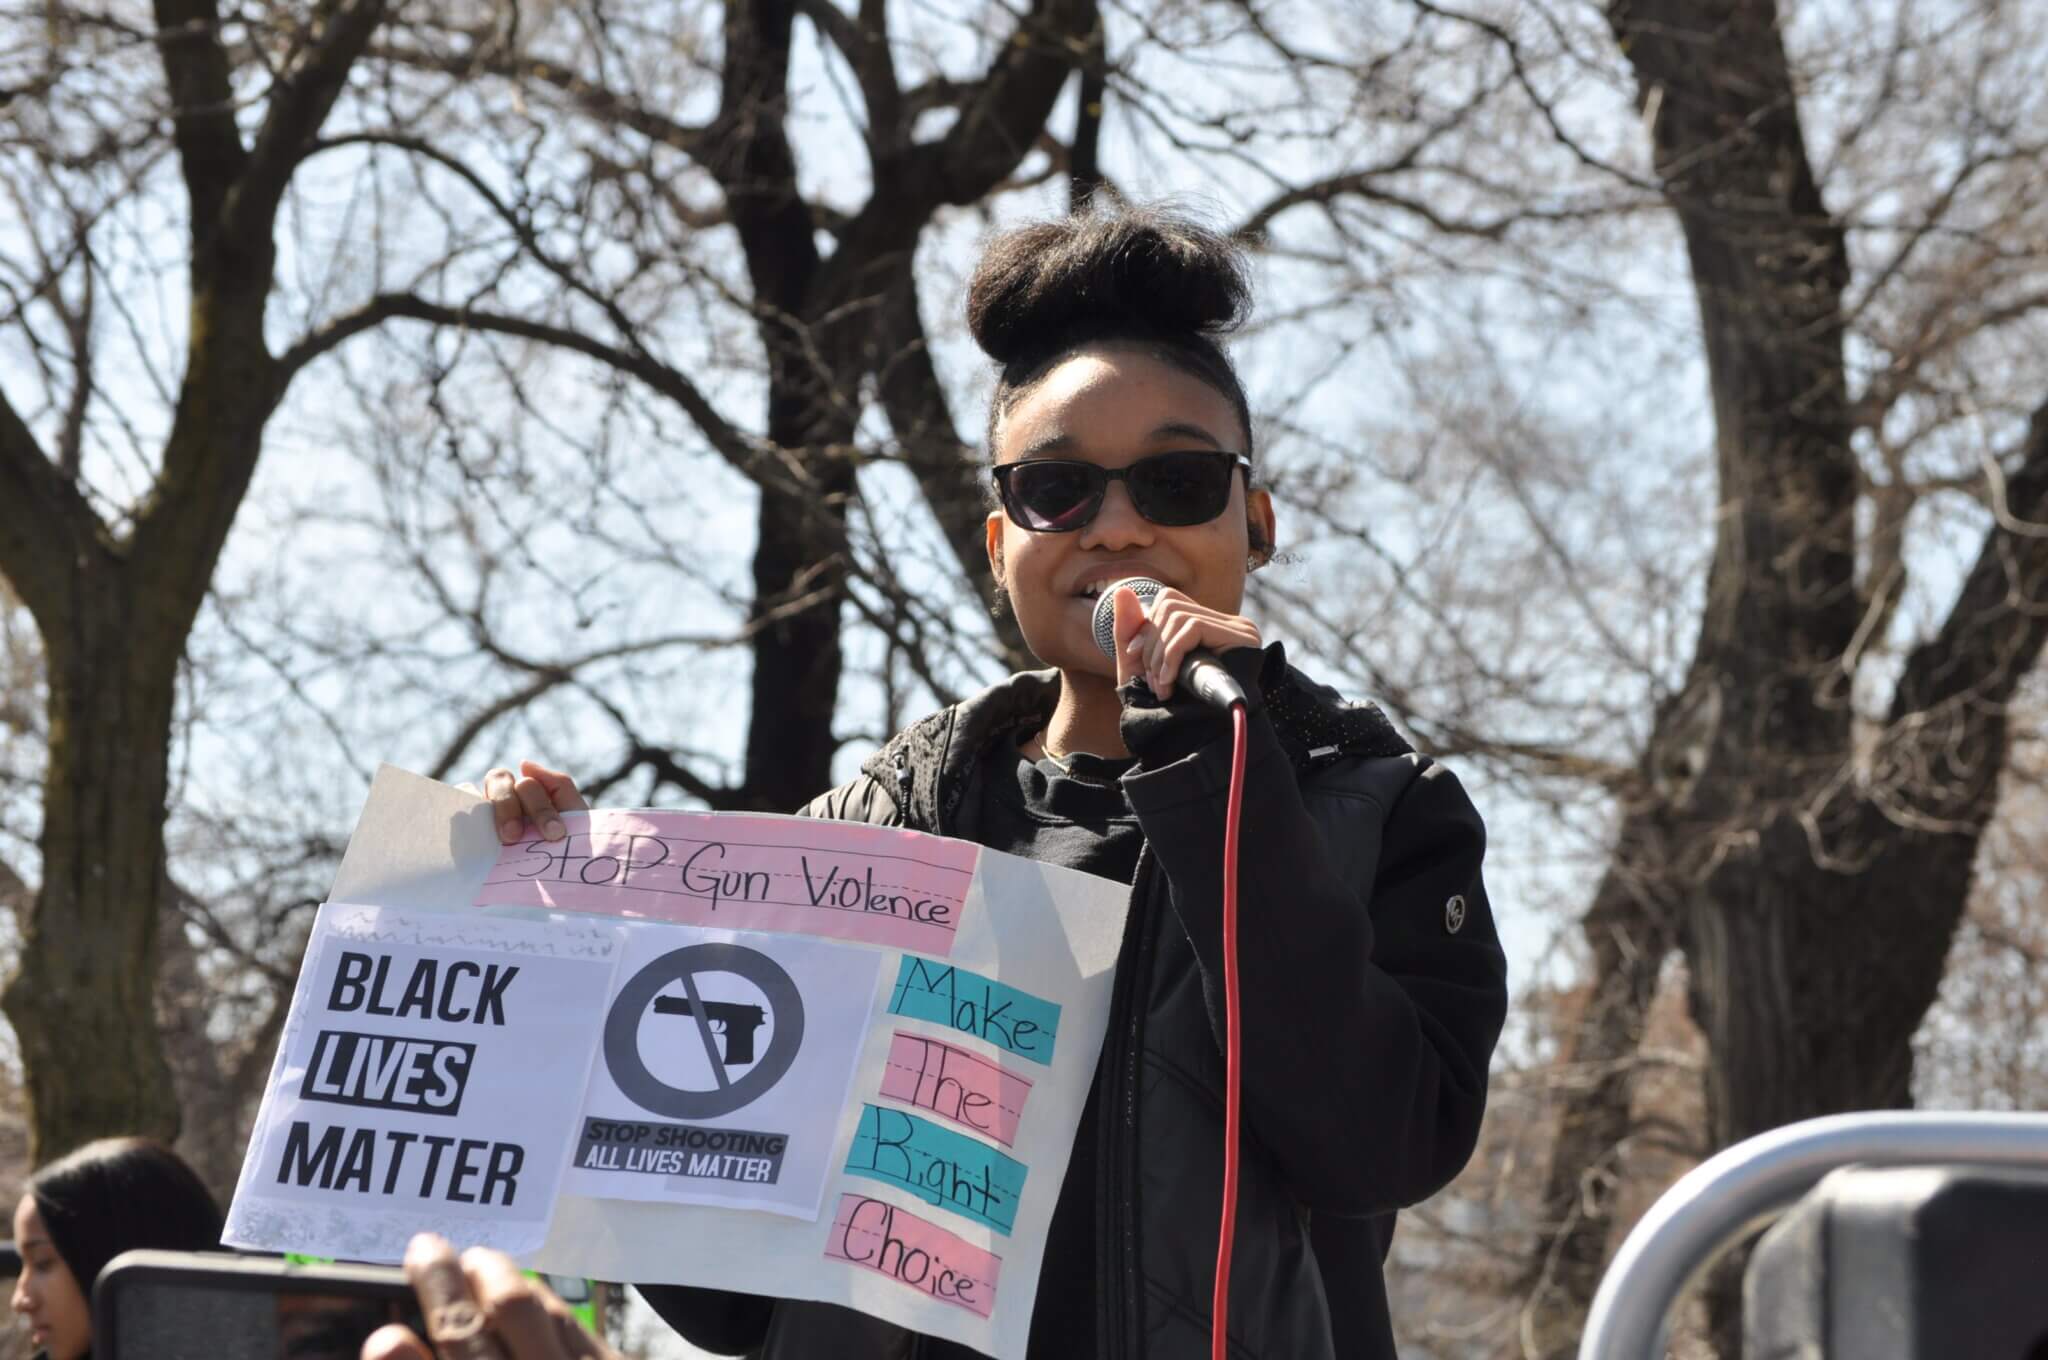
(739, 1021)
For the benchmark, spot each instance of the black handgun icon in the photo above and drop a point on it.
(739, 1023)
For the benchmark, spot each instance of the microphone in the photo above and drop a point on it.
(1200, 672)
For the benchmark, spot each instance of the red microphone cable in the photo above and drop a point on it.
(1219, 1307)
(1104, 628)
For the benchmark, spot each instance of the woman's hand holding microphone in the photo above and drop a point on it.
(1153, 643)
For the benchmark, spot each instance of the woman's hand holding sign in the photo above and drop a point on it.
(480, 1306)
(536, 795)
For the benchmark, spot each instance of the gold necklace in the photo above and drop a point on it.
(1064, 764)
(1059, 758)
(1064, 760)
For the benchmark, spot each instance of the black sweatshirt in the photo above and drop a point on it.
(1074, 816)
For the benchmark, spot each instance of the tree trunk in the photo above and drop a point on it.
(114, 613)
(1818, 895)
(1764, 919)
(82, 1000)
(797, 658)
(819, 319)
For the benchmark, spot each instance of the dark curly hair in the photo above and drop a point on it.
(1147, 276)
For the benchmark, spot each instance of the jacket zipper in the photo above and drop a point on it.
(1116, 1213)
(903, 813)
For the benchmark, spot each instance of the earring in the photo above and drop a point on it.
(1262, 551)
(999, 601)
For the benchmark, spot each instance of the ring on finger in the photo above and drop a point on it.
(460, 1330)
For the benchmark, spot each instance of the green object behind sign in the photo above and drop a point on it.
(580, 1294)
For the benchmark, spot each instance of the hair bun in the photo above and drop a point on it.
(1144, 271)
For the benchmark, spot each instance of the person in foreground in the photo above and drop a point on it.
(1373, 984)
(86, 1208)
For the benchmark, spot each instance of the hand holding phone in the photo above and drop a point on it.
(480, 1306)
(197, 1305)
(175, 1305)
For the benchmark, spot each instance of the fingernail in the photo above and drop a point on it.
(1134, 646)
(425, 1246)
(552, 829)
(508, 832)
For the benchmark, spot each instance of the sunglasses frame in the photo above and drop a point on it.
(1102, 477)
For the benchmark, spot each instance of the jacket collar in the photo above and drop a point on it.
(926, 766)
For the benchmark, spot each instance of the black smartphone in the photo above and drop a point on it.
(181, 1305)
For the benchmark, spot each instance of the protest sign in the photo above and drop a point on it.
(724, 1066)
(818, 1060)
(402, 1095)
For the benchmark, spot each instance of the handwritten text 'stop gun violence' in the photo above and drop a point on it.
(851, 882)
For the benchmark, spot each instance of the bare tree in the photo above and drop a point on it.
(110, 529)
(114, 591)
(1763, 692)
(1799, 788)
(1651, 389)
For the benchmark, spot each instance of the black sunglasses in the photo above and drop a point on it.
(1060, 495)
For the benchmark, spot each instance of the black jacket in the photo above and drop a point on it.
(1373, 988)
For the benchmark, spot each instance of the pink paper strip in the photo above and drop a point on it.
(959, 1087)
(897, 1243)
(872, 884)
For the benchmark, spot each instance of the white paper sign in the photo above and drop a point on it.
(723, 1069)
(819, 1060)
(404, 1092)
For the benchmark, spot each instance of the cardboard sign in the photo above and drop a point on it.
(781, 1056)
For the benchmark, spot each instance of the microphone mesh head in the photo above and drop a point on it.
(1105, 609)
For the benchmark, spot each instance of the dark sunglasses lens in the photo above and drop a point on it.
(1181, 488)
(1049, 495)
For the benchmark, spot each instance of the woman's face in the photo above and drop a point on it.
(1113, 405)
(46, 1293)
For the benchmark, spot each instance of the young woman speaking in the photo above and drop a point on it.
(1372, 983)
